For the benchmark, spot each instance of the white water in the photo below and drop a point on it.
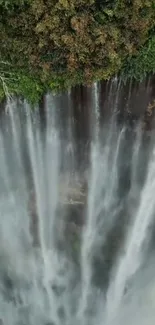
(133, 254)
(96, 108)
(42, 284)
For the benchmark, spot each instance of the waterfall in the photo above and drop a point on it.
(73, 249)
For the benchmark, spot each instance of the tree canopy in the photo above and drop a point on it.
(60, 43)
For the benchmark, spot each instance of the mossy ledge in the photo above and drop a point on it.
(56, 44)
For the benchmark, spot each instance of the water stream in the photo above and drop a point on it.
(75, 247)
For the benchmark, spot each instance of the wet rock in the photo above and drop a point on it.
(61, 313)
(50, 323)
(57, 289)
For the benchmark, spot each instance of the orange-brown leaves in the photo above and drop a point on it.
(72, 62)
(91, 36)
(80, 24)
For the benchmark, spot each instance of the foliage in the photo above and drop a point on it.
(11, 4)
(19, 83)
(140, 66)
(59, 43)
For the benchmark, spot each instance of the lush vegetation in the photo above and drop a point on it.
(54, 44)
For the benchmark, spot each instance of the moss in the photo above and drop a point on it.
(2, 94)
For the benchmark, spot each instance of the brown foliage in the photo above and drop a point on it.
(67, 35)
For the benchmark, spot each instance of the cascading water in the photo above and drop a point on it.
(49, 271)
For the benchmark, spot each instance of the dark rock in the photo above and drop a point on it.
(61, 313)
(58, 290)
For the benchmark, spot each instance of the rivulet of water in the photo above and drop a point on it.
(73, 254)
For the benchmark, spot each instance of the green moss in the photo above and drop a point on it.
(2, 94)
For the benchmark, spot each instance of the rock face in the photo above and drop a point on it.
(72, 202)
(34, 220)
(74, 194)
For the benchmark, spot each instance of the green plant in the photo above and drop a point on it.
(142, 64)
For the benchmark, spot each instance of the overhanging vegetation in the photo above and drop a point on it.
(56, 44)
